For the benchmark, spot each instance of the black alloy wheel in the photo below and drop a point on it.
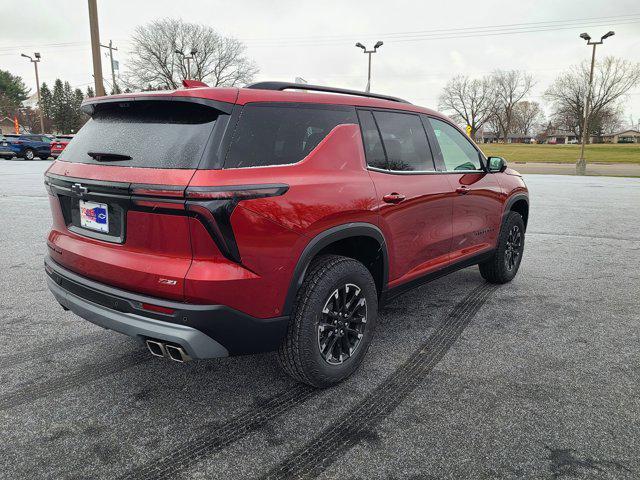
(513, 248)
(342, 325)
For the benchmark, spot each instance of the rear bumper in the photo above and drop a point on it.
(204, 331)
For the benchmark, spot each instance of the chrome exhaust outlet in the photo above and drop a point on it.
(157, 349)
(177, 354)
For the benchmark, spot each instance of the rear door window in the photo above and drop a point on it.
(268, 134)
(405, 142)
(154, 134)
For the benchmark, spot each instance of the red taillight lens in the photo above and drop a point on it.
(237, 192)
(158, 190)
(158, 309)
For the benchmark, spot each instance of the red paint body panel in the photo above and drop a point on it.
(477, 214)
(418, 229)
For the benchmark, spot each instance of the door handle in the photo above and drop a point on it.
(463, 190)
(393, 197)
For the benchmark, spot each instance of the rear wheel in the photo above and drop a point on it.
(29, 154)
(504, 263)
(332, 322)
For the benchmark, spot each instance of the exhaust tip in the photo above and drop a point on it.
(156, 348)
(177, 354)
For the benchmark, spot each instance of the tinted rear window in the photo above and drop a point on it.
(282, 134)
(155, 134)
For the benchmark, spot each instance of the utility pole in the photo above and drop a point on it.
(375, 48)
(581, 165)
(188, 59)
(35, 64)
(113, 73)
(95, 48)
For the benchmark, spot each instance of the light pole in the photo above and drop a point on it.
(188, 59)
(581, 165)
(369, 52)
(35, 64)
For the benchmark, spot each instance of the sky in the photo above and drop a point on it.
(425, 42)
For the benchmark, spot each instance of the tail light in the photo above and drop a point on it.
(212, 206)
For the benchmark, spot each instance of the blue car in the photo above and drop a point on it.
(27, 146)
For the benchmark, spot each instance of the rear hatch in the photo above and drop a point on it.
(116, 191)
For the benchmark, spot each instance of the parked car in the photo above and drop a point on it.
(208, 222)
(6, 151)
(58, 144)
(27, 146)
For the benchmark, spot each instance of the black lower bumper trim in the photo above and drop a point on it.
(238, 332)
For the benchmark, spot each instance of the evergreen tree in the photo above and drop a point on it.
(58, 106)
(80, 117)
(12, 92)
(90, 92)
(46, 100)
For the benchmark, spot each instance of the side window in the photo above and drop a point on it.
(282, 134)
(372, 143)
(457, 151)
(405, 141)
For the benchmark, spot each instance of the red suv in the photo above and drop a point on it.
(209, 222)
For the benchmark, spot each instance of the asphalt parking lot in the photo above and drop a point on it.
(539, 378)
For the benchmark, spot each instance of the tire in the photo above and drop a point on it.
(505, 262)
(318, 349)
(29, 154)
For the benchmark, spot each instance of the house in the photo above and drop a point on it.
(6, 126)
(559, 137)
(626, 136)
(492, 137)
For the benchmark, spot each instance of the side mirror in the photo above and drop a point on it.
(497, 164)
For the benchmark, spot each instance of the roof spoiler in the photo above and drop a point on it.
(193, 83)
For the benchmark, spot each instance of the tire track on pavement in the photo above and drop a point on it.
(216, 437)
(48, 350)
(82, 376)
(330, 444)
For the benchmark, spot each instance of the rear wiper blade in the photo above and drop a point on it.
(107, 157)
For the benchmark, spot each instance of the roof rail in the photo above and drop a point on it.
(320, 88)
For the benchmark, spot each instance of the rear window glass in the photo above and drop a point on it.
(280, 135)
(155, 134)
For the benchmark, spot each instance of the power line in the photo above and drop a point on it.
(427, 37)
(577, 21)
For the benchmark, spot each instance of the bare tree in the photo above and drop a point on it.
(154, 63)
(510, 87)
(471, 100)
(527, 116)
(613, 78)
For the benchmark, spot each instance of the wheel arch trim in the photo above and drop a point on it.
(326, 238)
(512, 200)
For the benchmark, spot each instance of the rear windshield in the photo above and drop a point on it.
(154, 134)
(282, 134)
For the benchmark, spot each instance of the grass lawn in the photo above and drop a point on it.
(601, 153)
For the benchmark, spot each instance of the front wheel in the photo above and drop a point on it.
(504, 263)
(28, 154)
(332, 322)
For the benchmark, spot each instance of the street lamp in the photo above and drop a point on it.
(35, 64)
(369, 52)
(188, 59)
(581, 165)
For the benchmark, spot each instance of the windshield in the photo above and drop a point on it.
(154, 134)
